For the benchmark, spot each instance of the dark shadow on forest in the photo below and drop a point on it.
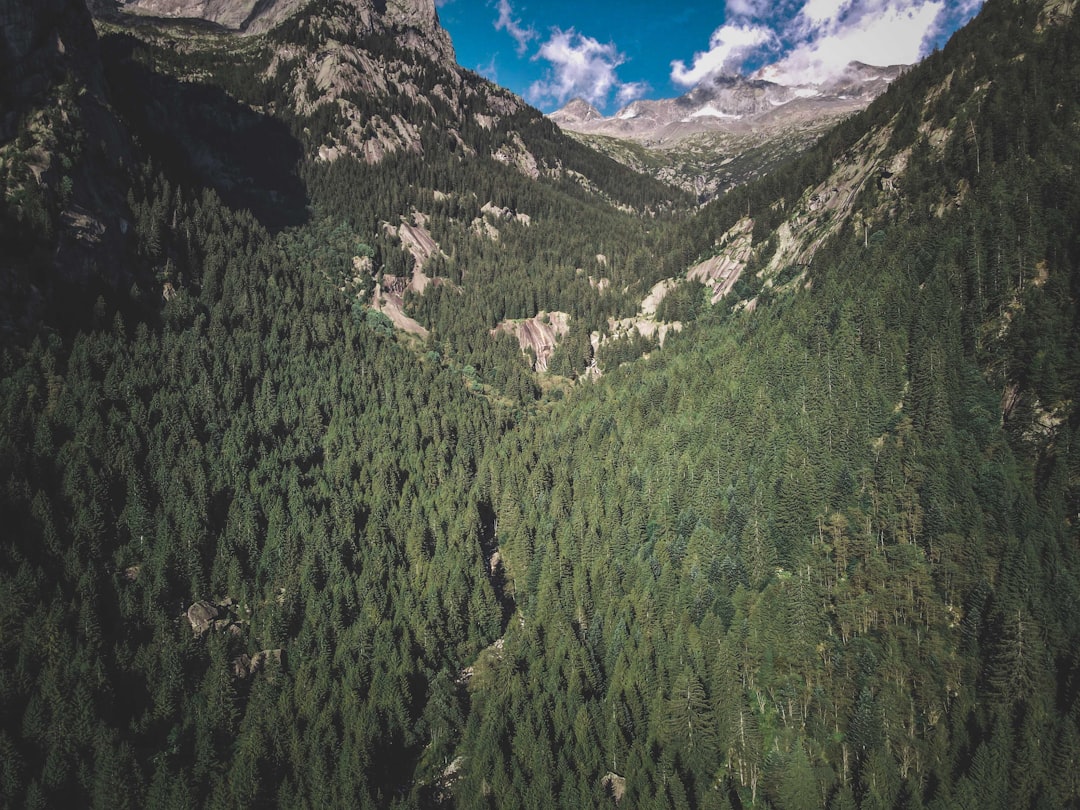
(202, 137)
(489, 547)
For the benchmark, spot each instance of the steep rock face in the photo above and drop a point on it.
(361, 85)
(348, 56)
(62, 159)
(720, 272)
(367, 78)
(239, 15)
(538, 336)
(418, 14)
(38, 41)
(417, 19)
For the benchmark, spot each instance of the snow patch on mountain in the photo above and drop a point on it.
(710, 110)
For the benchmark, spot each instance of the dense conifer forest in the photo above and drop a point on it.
(818, 550)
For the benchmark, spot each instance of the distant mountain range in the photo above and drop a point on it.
(728, 129)
(732, 104)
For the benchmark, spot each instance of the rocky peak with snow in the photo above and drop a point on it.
(728, 129)
(734, 104)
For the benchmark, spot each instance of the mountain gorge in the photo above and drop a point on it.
(344, 464)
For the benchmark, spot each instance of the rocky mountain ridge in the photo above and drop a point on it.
(350, 66)
(732, 104)
(728, 129)
(259, 16)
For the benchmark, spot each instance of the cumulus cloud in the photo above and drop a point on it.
(631, 91)
(877, 33)
(817, 39)
(507, 22)
(729, 47)
(580, 66)
(746, 8)
(816, 14)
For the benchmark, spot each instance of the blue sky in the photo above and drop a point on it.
(611, 52)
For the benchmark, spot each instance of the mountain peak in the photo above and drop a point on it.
(576, 111)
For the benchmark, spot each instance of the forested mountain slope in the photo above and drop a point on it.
(246, 558)
(264, 549)
(322, 119)
(825, 553)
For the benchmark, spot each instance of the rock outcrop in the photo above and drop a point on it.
(253, 16)
(39, 41)
(720, 272)
(537, 336)
(205, 615)
(201, 616)
(615, 785)
(416, 21)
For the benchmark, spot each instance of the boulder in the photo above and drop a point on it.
(241, 666)
(201, 615)
(615, 785)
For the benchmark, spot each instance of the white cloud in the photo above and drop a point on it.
(631, 91)
(746, 8)
(819, 38)
(729, 46)
(489, 71)
(580, 66)
(817, 14)
(506, 22)
(877, 33)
